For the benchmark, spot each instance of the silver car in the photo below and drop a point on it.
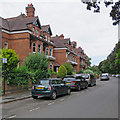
(104, 77)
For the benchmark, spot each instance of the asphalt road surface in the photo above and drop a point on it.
(100, 101)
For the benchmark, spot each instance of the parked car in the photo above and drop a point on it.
(50, 87)
(90, 79)
(104, 77)
(76, 82)
(118, 76)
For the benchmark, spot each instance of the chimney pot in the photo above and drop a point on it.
(30, 10)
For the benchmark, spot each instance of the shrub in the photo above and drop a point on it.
(69, 68)
(12, 59)
(37, 65)
(62, 72)
(19, 77)
(89, 72)
(80, 71)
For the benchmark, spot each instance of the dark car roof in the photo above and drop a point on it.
(50, 79)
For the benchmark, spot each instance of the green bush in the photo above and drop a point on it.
(62, 72)
(19, 77)
(88, 72)
(12, 60)
(37, 66)
(50, 72)
(80, 71)
(69, 68)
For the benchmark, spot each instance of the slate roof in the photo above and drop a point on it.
(46, 28)
(17, 23)
(60, 43)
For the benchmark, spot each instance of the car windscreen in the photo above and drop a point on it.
(43, 82)
(85, 76)
(104, 76)
(68, 79)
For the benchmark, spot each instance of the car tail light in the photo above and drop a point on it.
(90, 79)
(32, 87)
(74, 82)
(49, 88)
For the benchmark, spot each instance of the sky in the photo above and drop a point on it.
(93, 32)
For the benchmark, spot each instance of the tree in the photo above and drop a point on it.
(89, 72)
(62, 72)
(111, 64)
(69, 68)
(95, 4)
(12, 60)
(89, 61)
(117, 61)
(95, 69)
(37, 65)
(80, 71)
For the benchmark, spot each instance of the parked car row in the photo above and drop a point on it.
(118, 75)
(53, 87)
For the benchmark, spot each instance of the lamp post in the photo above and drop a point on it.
(4, 60)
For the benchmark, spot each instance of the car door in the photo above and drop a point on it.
(56, 86)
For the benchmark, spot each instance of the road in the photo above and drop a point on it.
(100, 101)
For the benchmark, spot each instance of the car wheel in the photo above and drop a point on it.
(91, 85)
(35, 97)
(69, 91)
(78, 88)
(53, 95)
(86, 86)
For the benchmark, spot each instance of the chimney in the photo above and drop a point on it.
(30, 10)
(61, 36)
(74, 44)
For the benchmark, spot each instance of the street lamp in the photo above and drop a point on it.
(4, 60)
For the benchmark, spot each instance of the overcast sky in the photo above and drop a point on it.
(94, 32)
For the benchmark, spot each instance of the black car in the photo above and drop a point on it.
(76, 82)
(50, 87)
(90, 79)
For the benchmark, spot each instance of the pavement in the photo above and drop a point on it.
(15, 96)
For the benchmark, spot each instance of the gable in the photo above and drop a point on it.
(37, 23)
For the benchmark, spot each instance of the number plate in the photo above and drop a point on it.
(40, 88)
(67, 83)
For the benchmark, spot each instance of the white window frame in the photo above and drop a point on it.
(48, 39)
(37, 33)
(47, 50)
(39, 48)
(33, 31)
(34, 45)
(51, 52)
(51, 66)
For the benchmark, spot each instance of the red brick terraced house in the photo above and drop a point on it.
(65, 51)
(25, 34)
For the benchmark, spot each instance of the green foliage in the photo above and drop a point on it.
(111, 64)
(80, 71)
(89, 61)
(37, 65)
(12, 59)
(19, 77)
(62, 72)
(95, 69)
(89, 72)
(117, 61)
(69, 68)
(50, 72)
